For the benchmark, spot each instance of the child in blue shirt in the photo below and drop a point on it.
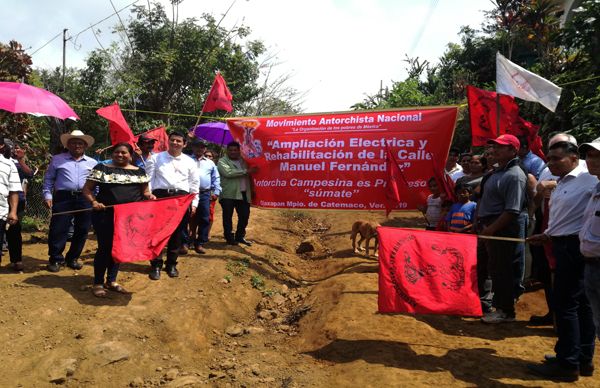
(460, 216)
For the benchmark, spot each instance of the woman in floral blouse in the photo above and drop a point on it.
(118, 182)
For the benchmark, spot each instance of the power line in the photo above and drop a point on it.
(47, 43)
(106, 18)
(82, 31)
(122, 25)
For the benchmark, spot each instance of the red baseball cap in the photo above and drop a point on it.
(506, 139)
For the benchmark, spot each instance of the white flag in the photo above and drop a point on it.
(513, 80)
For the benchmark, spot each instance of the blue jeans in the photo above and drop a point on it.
(59, 226)
(574, 320)
(202, 217)
(592, 290)
(104, 263)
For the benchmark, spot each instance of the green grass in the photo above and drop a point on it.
(257, 282)
(237, 267)
(30, 224)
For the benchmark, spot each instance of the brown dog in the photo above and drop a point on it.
(367, 231)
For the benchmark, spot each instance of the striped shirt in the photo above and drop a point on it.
(460, 216)
(9, 182)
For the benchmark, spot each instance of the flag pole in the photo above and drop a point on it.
(498, 110)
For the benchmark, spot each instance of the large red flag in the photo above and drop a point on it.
(142, 229)
(219, 96)
(117, 125)
(483, 116)
(160, 134)
(394, 174)
(423, 272)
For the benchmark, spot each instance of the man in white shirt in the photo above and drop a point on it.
(543, 262)
(453, 169)
(575, 326)
(172, 173)
(10, 185)
(589, 236)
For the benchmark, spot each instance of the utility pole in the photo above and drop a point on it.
(62, 81)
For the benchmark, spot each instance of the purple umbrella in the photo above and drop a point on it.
(216, 132)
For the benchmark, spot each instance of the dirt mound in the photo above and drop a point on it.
(251, 316)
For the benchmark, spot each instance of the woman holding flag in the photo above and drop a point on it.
(118, 182)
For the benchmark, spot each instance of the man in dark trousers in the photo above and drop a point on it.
(172, 173)
(235, 193)
(10, 186)
(574, 320)
(503, 199)
(64, 179)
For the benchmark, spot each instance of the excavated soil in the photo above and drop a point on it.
(297, 309)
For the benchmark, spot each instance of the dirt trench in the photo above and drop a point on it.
(264, 315)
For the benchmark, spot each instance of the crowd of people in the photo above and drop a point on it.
(507, 195)
(81, 191)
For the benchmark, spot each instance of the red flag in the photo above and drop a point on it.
(530, 131)
(394, 174)
(483, 113)
(423, 272)
(142, 229)
(118, 128)
(444, 181)
(160, 134)
(219, 96)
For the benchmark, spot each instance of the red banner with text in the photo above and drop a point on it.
(337, 160)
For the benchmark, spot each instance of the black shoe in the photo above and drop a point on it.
(172, 271)
(54, 267)
(244, 241)
(231, 242)
(553, 371)
(75, 264)
(586, 369)
(541, 320)
(154, 273)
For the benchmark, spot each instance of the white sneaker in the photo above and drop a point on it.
(497, 316)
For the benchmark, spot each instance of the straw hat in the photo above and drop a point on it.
(76, 134)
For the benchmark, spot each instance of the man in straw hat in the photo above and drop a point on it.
(63, 182)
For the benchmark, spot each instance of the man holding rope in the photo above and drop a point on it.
(173, 173)
(10, 185)
(63, 182)
(503, 198)
(574, 321)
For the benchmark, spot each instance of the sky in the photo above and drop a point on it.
(336, 51)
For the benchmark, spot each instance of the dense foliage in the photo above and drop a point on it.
(529, 32)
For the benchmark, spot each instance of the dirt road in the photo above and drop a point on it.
(256, 316)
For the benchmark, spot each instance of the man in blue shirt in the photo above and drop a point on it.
(210, 188)
(533, 164)
(64, 179)
(146, 146)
